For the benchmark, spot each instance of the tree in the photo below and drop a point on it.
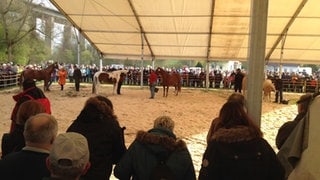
(17, 23)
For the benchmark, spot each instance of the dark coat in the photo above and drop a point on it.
(24, 164)
(286, 129)
(77, 74)
(139, 161)
(13, 142)
(105, 139)
(238, 154)
(278, 84)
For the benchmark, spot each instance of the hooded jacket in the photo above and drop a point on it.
(139, 161)
(238, 153)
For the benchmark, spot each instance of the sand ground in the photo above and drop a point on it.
(192, 111)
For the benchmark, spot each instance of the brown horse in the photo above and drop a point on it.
(173, 79)
(103, 77)
(44, 74)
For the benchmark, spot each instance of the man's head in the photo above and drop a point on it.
(40, 131)
(69, 156)
(303, 102)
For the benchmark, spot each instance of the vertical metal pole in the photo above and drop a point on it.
(256, 57)
(281, 54)
(141, 69)
(207, 75)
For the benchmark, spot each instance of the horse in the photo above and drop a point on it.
(112, 77)
(43, 74)
(173, 79)
(267, 88)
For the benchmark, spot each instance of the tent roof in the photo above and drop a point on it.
(196, 30)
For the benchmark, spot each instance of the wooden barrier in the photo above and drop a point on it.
(8, 80)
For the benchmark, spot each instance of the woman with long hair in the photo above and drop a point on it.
(237, 149)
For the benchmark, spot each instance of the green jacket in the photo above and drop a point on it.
(139, 162)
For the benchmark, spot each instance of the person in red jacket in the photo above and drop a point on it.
(152, 82)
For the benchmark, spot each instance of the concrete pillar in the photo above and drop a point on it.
(256, 57)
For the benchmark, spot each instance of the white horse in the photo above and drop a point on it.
(103, 77)
(267, 88)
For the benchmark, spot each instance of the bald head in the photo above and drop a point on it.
(40, 129)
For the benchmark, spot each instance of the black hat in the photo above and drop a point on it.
(305, 98)
(28, 83)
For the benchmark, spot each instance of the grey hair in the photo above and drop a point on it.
(41, 128)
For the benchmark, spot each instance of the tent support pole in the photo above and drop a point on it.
(256, 54)
(142, 54)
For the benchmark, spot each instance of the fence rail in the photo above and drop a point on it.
(8, 80)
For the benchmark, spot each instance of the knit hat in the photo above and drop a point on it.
(69, 150)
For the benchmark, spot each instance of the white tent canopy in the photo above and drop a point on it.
(195, 29)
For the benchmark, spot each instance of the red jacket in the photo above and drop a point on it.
(153, 77)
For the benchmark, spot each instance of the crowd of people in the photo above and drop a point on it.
(95, 142)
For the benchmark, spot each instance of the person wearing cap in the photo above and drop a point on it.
(30, 163)
(30, 91)
(98, 123)
(286, 129)
(69, 157)
(142, 155)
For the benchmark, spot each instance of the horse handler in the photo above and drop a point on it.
(152, 83)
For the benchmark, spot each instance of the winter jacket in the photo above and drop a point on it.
(139, 161)
(13, 142)
(237, 154)
(286, 129)
(105, 140)
(24, 96)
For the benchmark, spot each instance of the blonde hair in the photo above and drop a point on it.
(164, 122)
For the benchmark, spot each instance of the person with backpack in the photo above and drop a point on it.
(156, 154)
(30, 92)
(237, 149)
